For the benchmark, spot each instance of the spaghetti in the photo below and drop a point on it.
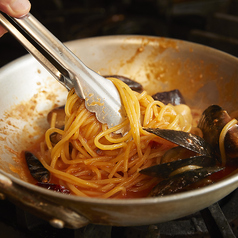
(222, 139)
(92, 160)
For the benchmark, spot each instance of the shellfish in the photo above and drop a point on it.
(206, 157)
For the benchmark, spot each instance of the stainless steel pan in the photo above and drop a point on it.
(27, 92)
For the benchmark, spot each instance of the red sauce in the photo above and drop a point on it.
(227, 171)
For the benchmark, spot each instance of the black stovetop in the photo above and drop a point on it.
(217, 221)
(209, 22)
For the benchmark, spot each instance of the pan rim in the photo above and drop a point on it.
(135, 201)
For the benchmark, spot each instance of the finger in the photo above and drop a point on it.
(15, 8)
(2, 31)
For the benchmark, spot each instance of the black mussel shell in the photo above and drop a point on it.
(179, 182)
(211, 123)
(37, 170)
(60, 118)
(187, 140)
(177, 153)
(231, 142)
(164, 170)
(173, 97)
(55, 137)
(135, 86)
(213, 119)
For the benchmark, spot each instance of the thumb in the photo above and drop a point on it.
(15, 8)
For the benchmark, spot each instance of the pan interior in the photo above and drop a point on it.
(203, 75)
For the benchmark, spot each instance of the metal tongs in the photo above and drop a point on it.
(100, 94)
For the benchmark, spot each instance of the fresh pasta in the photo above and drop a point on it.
(92, 160)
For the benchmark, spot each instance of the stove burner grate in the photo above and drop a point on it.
(218, 221)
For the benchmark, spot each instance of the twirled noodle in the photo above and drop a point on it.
(92, 160)
(222, 139)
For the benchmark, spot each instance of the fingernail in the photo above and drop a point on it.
(20, 6)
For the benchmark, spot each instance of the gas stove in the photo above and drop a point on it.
(209, 22)
(219, 220)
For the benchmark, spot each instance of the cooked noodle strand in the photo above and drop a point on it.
(94, 160)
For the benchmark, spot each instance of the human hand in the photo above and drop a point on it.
(14, 8)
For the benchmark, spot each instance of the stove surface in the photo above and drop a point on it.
(219, 220)
(209, 22)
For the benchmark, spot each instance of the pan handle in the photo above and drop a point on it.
(57, 215)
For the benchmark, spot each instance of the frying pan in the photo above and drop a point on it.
(204, 76)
